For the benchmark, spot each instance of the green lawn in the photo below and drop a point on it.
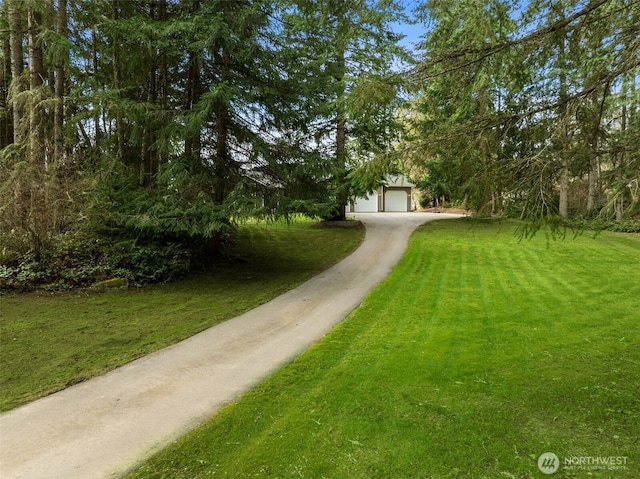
(478, 354)
(48, 341)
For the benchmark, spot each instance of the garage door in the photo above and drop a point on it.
(367, 205)
(395, 200)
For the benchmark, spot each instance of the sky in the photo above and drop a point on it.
(416, 31)
(412, 32)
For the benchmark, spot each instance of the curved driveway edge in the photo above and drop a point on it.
(104, 427)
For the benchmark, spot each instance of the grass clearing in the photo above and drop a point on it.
(49, 341)
(474, 357)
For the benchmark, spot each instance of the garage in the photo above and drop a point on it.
(366, 205)
(395, 200)
(394, 196)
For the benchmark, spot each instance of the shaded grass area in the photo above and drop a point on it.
(474, 357)
(49, 341)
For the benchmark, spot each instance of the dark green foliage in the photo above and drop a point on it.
(175, 213)
(179, 119)
(533, 109)
(162, 122)
(149, 263)
(600, 224)
(76, 262)
(169, 121)
(350, 94)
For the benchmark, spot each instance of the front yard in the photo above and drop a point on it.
(476, 356)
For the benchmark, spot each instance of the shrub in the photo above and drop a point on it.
(76, 263)
(600, 224)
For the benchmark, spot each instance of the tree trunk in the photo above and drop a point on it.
(96, 110)
(36, 66)
(341, 153)
(116, 84)
(6, 122)
(618, 202)
(36, 80)
(148, 149)
(60, 85)
(341, 124)
(487, 194)
(193, 92)
(618, 207)
(163, 83)
(563, 207)
(594, 165)
(17, 64)
(592, 194)
(192, 141)
(222, 137)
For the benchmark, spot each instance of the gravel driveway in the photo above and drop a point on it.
(103, 427)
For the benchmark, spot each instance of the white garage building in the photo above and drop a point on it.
(395, 195)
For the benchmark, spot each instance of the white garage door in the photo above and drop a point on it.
(395, 200)
(367, 205)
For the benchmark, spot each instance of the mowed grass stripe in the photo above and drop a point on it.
(466, 362)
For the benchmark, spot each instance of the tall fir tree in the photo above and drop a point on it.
(556, 76)
(351, 49)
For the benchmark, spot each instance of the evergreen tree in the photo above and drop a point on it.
(460, 104)
(349, 49)
(557, 85)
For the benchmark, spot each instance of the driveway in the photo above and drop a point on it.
(104, 427)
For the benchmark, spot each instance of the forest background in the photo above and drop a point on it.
(135, 134)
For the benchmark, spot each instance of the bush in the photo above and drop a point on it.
(149, 263)
(77, 263)
(127, 231)
(600, 224)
